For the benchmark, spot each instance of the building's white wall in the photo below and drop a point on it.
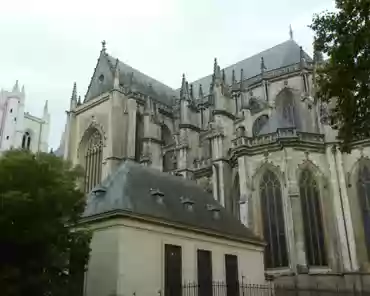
(14, 122)
(128, 256)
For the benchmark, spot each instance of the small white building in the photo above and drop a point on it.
(153, 231)
(19, 129)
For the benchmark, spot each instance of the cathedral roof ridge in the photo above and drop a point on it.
(278, 56)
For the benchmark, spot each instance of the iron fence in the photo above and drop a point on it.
(222, 289)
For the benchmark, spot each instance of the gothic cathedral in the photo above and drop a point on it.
(253, 135)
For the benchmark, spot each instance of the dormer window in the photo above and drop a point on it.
(215, 211)
(188, 203)
(158, 195)
(99, 191)
(101, 78)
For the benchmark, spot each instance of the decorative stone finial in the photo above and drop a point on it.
(263, 66)
(103, 44)
(200, 93)
(290, 32)
(74, 91)
(16, 87)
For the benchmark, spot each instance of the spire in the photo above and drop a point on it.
(103, 44)
(183, 87)
(46, 107)
(73, 102)
(191, 92)
(215, 66)
(302, 57)
(16, 87)
(241, 79)
(290, 32)
(74, 91)
(116, 75)
(23, 91)
(79, 101)
(233, 80)
(263, 66)
(200, 92)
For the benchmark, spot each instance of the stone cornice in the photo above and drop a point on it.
(224, 113)
(189, 126)
(151, 139)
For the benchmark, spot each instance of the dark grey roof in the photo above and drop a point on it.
(140, 82)
(279, 56)
(129, 190)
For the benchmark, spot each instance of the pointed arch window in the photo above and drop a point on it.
(259, 124)
(235, 202)
(139, 134)
(93, 161)
(363, 187)
(169, 158)
(26, 141)
(273, 221)
(288, 107)
(312, 220)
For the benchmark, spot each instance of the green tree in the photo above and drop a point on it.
(344, 36)
(42, 250)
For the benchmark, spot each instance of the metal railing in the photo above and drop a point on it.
(223, 289)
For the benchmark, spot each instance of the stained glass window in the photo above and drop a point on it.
(273, 221)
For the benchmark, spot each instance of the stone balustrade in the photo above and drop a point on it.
(202, 163)
(279, 135)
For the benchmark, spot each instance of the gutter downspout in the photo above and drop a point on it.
(334, 151)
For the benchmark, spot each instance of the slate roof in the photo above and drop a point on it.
(279, 56)
(139, 81)
(129, 190)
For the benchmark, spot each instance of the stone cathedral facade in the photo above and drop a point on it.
(254, 135)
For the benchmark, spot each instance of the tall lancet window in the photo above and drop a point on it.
(235, 202)
(312, 220)
(26, 141)
(363, 187)
(288, 109)
(93, 161)
(273, 221)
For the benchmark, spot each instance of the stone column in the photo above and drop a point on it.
(67, 136)
(298, 230)
(131, 131)
(245, 192)
(338, 212)
(347, 213)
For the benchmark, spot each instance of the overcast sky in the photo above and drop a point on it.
(47, 45)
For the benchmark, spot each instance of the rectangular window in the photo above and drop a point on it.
(172, 270)
(231, 269)
(204, 263)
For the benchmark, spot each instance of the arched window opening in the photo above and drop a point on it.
(26, 141)
(139, 134)
(273, 221)
(363, 187)
(235, 205)
(259, 124)
(93, 161)
(288, 109)
(169, 159)
(312, 220)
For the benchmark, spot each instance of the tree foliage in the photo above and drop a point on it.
(42, 252)
(344, 36)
